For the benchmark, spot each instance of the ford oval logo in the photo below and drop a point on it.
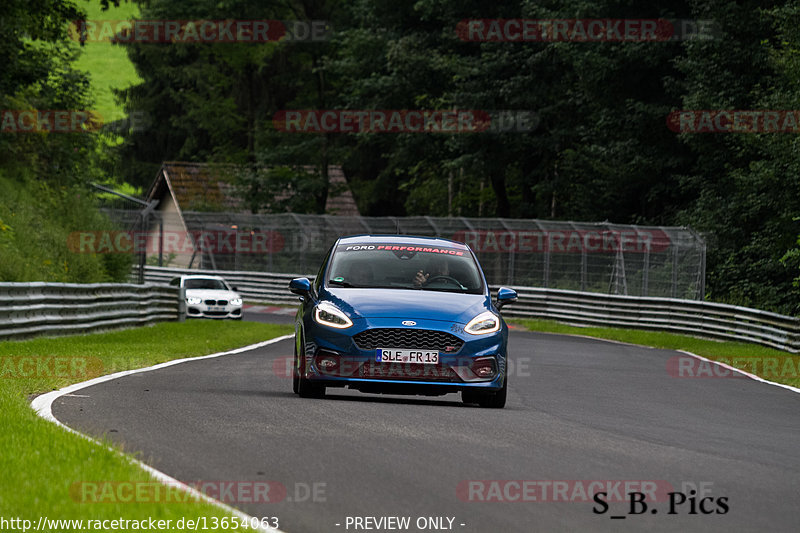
(409, 323)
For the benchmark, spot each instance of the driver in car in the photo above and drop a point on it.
(438, 267)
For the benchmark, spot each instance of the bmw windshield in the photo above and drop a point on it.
(206, 283)
(391, 266)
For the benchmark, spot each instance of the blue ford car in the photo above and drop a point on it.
(397, 314)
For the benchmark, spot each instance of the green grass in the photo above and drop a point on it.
(774, 365)
(37, 221)
(41, 463)
(108, 65)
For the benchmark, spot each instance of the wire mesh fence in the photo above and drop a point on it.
(597, 257)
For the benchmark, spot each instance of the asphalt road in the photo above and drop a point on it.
(578, 411)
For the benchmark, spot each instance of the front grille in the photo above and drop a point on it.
(408, 338)
(216, 313)
(211, 302)
(222, 302)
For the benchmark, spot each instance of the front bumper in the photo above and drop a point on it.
(335, 359)
(202, 310)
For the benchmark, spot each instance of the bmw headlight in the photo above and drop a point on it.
(193, 300)
(329, 315)
(482, 324)
(236, 301)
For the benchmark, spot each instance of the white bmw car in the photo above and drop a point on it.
(209, 297)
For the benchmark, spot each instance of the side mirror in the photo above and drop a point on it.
(300, 286)
(505, 296)
(235, 288)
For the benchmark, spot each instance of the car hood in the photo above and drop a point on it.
(211, 294)
(408, 304)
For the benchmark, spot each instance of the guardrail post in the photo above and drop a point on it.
(182, 305)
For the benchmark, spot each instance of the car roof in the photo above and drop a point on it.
(401, 239)
(200, 276)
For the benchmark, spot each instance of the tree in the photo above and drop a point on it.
(214, 102)
(44, 175)
(747, 185)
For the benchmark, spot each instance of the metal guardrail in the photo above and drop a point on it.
(38, 308)
(691, 317)
(252, 286)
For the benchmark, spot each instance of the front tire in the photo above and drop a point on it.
(308, 389)
(495, 400)
(469, 396)
(295, 372)
(491, 400)
(301, 385)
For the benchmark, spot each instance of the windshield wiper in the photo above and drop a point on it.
(445, 289)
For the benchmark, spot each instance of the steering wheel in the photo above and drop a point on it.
(446, 279)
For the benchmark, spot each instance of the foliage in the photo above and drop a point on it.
(44, 175)
(36, 221)
(747, 186)
(600, 148)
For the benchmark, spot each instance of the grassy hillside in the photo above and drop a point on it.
(107, 64)
(35, 226)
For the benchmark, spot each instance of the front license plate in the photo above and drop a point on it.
(214, 308)
(394, 355)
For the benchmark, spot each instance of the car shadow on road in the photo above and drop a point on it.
(416, 400)
(255, 393)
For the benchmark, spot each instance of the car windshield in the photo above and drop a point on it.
(395, 266)
(205, 283)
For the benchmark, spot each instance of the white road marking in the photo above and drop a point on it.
(724, 365)
(43, 405)
(743, 372)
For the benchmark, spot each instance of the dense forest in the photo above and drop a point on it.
(604, 137)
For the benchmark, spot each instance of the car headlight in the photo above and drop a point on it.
(486, 322)
(330, 315)
(236, 301)
(192, 300)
